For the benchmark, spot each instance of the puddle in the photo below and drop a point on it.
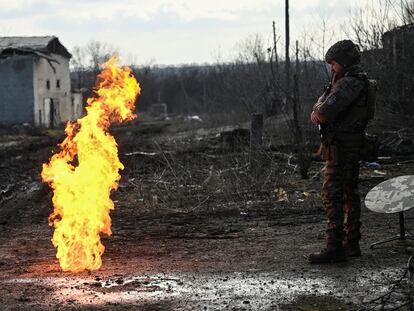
(141, 284)
(260, 289)
(257, 290)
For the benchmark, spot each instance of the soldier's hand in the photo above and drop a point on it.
(314, 118)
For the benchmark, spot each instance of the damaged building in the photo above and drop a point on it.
(392, 66)
(399, 52)
(35, 85)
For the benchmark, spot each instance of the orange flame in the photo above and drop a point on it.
(86, 170)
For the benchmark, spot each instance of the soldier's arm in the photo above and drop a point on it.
(342, 95)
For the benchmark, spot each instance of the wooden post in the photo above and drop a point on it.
(304, 156)
(256, 144)
(295, 100)
(275, 48)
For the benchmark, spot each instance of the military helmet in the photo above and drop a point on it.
(344, 52)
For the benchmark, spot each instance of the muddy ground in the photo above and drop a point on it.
(192, 230)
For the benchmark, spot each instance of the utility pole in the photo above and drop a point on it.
(287, 59)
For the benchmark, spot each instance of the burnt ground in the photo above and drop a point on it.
(192, 230)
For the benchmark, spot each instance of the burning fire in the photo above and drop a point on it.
(86, 170)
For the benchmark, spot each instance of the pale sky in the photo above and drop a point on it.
(168, 31)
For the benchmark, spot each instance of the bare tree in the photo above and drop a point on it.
(98, 53)
(407, 11)
(92, 55)
(369, 22)
(85, 64)
(247, 78)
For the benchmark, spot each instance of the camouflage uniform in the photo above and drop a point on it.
(342, 113)
(342, 117)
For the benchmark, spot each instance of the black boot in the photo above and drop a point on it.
(328, 255)
(352, 248)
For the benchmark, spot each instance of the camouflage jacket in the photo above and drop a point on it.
(342, 111)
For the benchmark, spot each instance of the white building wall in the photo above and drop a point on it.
(77, 104)
(52, 89)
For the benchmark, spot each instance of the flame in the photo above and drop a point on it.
(86, 170)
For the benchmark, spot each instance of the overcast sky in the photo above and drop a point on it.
(166, 31)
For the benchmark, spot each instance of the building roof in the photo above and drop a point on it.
(45, 45)
(404, 28)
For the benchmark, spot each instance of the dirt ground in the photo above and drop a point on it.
(193, 231)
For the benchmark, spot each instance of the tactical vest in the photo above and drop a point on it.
(348, 133)
(360, 112)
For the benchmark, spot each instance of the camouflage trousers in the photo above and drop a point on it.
(341, 199)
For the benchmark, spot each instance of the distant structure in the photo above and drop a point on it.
(393, 66)
(35, 84)
(398, 46)
(159, 110)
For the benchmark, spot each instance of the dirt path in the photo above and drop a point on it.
(212, 262)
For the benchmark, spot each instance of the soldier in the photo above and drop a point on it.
(341, 114)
